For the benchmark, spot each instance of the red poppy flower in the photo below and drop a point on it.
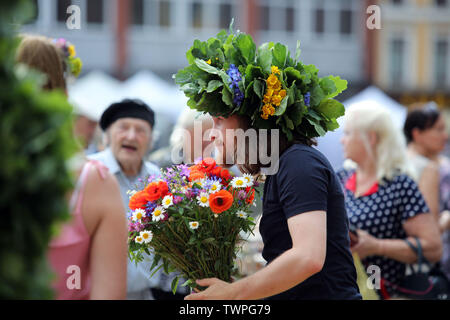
(220, 201)
(225, 174)
(216, 172)
(250, 192)
(138, 201)
(156, 190)
(208, 164)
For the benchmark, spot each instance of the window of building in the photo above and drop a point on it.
(319, 20)
(95, 10)
(441, 63)
(155, 13)
(137, 12)
(264, 20)
(345, 23)
(290, 19)
(61, 10)
(397, 61)
(225, 15)
(197, 15)
(164, 13)
(277, 16)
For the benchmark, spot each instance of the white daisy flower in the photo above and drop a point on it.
(158, 213)
(194, 225)
(249, 179)
(203, 199)
(241, 214)
(215, 186)
(201, 182)
(239, 182)
(146, 236)
(139, 240)
(216, 215)
(167, 201)
(138, 214)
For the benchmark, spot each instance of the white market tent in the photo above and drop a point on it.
(330, 144)
(162, 97)
(93, 93)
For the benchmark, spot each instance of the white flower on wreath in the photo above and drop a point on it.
(158, 213)
(239, 182)
(241, 214)
(194, 225)
(146, 236)
(203, 199)
(138, 214)
(167, 201)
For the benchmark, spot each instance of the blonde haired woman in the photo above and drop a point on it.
(383, 203)
(89, 256)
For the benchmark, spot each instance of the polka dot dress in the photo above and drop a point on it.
(382, 214)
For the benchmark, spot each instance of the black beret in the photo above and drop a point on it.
(127, 109)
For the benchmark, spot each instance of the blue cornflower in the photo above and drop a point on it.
(150, 207)
(234, 78)
(307, 99)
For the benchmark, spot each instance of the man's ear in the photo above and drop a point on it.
(415, 134)
(106, 138)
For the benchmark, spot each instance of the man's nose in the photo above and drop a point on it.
(131, 134)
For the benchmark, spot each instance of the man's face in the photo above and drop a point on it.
(129, 140)
(219, 136)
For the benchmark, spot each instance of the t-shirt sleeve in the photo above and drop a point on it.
(302, 183)
(413, 202)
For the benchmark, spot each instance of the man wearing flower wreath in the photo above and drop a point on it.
(304, 225)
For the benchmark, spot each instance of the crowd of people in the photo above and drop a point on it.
(396, 186)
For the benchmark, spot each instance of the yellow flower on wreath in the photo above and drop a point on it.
(272, 81)
(275, 70)
(276, 100)
(71, 50)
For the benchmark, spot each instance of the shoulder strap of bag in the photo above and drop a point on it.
(421, 260)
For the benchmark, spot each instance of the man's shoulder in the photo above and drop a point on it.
(304, 156)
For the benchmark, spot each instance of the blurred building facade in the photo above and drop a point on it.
(409, 57)
(412, 60)
(122, 37)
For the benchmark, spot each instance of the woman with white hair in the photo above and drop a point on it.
(383, 202)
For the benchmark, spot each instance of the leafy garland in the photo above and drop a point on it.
(228, 75)
(36, 141)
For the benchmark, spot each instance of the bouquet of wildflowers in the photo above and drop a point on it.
(190, 219)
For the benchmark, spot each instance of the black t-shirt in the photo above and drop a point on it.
(305, 182)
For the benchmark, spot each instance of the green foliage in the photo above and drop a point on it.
(209, 62)
(36, 141)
